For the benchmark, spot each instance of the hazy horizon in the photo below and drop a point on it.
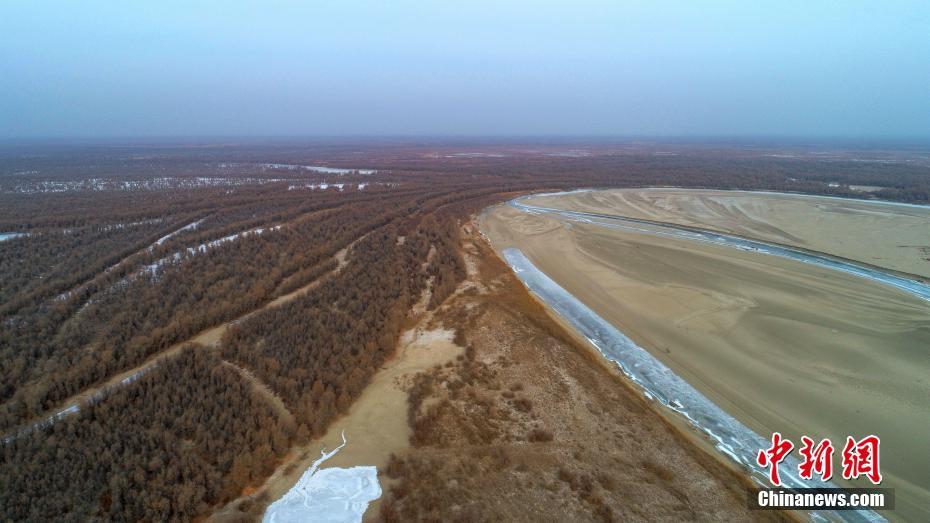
(661, 70)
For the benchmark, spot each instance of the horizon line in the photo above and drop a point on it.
(215, 139)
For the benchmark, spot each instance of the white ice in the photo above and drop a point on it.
(10, 235)
(330, 495)
(318, 168)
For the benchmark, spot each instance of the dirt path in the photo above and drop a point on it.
(260, 388)
(342, 260)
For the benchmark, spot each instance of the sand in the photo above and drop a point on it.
(891, 236)
(780, 345)
(611, 453)
(376, 425)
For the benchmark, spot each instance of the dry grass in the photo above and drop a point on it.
(530, 426)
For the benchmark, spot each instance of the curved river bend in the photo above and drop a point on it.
(915, 287)
(658, 382)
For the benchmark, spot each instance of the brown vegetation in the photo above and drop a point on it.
(522, 416)
(180, 438)
(529, 426)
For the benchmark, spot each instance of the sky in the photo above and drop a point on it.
(787, 68)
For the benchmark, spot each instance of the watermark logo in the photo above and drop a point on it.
(817, 459)
(859, 458)
(821, 499)
(774, 455)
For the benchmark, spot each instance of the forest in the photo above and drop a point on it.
(103, 281)
(166, 448)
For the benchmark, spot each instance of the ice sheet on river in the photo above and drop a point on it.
(659, 382)
(331, 495)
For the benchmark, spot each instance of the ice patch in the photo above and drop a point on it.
(571, 153)
(318, 169)
(476, 155)
(10, 235)
(331, 495)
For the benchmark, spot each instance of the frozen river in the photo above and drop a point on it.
(658, 382)
(914, 287)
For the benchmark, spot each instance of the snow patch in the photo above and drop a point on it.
(148, 184)
(189, 226)
(152, 268)
(313, 186)
(131, 224)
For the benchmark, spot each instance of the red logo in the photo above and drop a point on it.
(860, 458)
(819, 460)
(774, 455)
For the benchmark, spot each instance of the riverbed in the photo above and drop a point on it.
(774, 340)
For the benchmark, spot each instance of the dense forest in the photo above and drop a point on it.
(53, 345)
(334, 338)
(165, 448)
(104, 280)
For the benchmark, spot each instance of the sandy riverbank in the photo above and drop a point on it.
(887, 235)
(780, 345)
(532, 425)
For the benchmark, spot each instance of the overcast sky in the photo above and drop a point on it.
(391, 67)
